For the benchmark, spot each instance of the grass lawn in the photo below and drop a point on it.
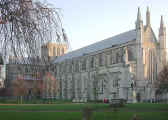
(78, 115)
(51, 107)
(146, 107)
(129, 115)
(40, 116)
(73, 112)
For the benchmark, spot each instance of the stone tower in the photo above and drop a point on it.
(53, 49)
(139, 41)
(162, 41)
(56, 47)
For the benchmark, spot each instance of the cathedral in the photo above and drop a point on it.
(124, 66)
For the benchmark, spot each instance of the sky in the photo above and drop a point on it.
(90, 21)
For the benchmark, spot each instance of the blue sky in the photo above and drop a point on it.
(89, 21)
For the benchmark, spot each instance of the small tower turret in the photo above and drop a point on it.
(147, 17)
(162, 41)
(139, 22)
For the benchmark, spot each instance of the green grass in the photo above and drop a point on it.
(143, 111)
(146, 107)
(129, 115)
(53, 107)
(40, 116)
(78, 115)
(72, 106)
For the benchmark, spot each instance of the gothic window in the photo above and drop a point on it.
(62, 51)
(131, 54)
(26, 69)
(70, 67)
(52, 68)
(58, 51)
(101, 86)
(117, 57)
(54, 51)
(76, 66)
(112, 58)
(84, 64)
(64, 67)
(60, 68)
(101, 59)
(116, 82)
(73, 66)
(92, 62)
(133, 66)
(56, 71)
(55, 67)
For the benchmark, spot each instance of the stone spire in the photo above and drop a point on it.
(161, 21)
(139, 41)
(162, 41)
(139, 22)
(139, 15)
(147, 17)
(162, 28)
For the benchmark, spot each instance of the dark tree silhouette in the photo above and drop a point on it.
(19, 87)
(25, 26)
(162, 82)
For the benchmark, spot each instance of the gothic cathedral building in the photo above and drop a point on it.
(124, 66)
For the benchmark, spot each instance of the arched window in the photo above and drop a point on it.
(92, 62)
(58, 51)
(54, 51)
(76, 66)
(84, 64)
(112, 58)
(62, 51)
(117, 57)
(101, 59)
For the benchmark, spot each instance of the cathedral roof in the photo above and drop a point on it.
(25, 60)
(106, 43)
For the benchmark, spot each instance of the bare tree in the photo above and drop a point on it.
(37, 88)
(162, 82)
(52, 85)
(19, 87)
(25, 26)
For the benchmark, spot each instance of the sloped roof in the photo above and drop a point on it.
(26, 60)
(107, 43)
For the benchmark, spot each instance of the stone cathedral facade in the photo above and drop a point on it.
(124, 66)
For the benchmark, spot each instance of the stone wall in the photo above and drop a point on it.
(99, 75)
